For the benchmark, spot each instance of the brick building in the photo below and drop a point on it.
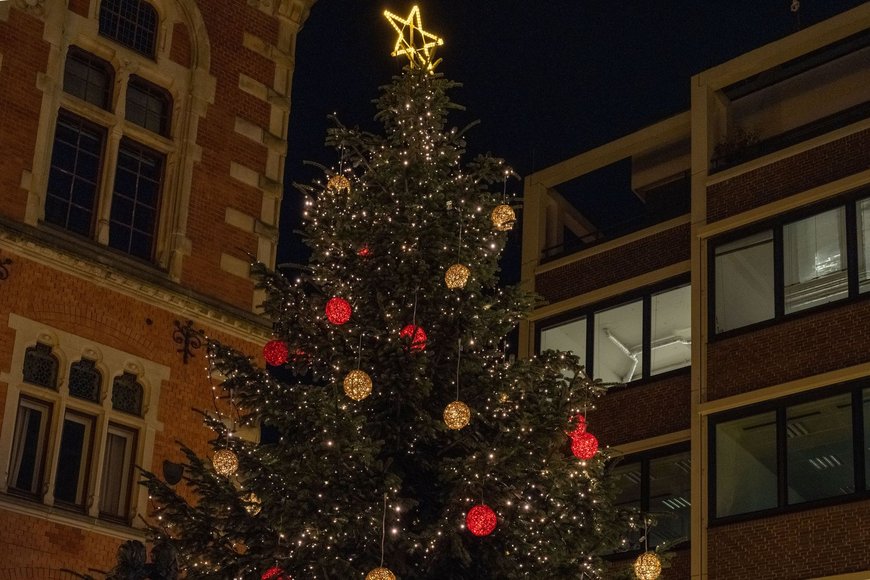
(143, 146)
(736, 312)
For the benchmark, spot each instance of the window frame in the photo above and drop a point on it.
(85, 463)
(779, 406)
(849, 202)
(152, 49)
(42, 454)
(645, 295)
(126, 486)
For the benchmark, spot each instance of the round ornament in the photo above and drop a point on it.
(480, 520)
(580, 428)
(457, 415)
(275, 573)
(457, 276)
(364, 252)
(275, 352)
(380, 573)
(417, 336)
(584, 446)
(252, 503)
(357, 385)
(338, 182)
(503, 217)
(647, 566)
(338, 310)
(225, 462)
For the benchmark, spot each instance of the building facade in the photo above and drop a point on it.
(735, 316)
(143, 146)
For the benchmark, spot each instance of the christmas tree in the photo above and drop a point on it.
(404, 441)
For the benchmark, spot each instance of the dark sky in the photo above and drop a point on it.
(547, 79)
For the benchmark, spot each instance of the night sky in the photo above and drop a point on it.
(547, 79)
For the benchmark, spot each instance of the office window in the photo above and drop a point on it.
(117, 471)
(73, 459)
(788, 453)
(85, 380)
(148, 106)
(744, 281)
(88, 78)
(814, 260)
(619, 343)
(27, 459)
(40, 366)
(127, 394)
(863, 233)
(132, 23)
(638, 338)
(656, 483)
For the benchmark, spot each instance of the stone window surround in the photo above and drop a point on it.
(111, 362)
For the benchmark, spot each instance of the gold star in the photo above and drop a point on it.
(419, 55)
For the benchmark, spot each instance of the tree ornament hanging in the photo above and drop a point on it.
(503, 217)
(357, 385)
(380, 573)
(252, 503)
(647, 566)
(338, 310)
(275, 573)
(580, 428)
(457, 276)
(225, 462)
(364, 251)
(275, 352)
(480, 520)
(416, 335)
(584, 445)
(338, 183)
(457, 415)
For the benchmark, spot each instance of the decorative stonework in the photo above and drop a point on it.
(33, 7)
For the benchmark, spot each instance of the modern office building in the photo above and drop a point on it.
(143, 146)
(736, 313)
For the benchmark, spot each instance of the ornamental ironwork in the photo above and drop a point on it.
(127, 394)
(188, 337)
(40, 366)
(84, 380)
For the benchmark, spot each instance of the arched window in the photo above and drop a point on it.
(89, 78)
(148, 106)
(127, 394)
(132, 23)
(84, 380)
(40, 366)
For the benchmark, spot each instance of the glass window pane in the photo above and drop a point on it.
(87, 77)
(744, 281)
(132, 23)
(72, 459)
(814, 256)
(135, 200)
(669, 498)
(117, 467)
(570, 336)
(671, 332)
(819, 443)
(746, 460)
(618, 344)
(28, 447)
(866, 399)
(627, 480)
(863, 216)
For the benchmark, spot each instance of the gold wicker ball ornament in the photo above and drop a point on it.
(225, 462)
(457, 276)
(380, 573)
(252, 503)
(457, 415)
(338, 182)
(647, 566)
(503, 217)
(357, 385)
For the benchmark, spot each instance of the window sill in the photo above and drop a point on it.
(686, 370)
(68, 517)
(780, 511)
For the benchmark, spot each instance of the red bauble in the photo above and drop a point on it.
(581, 426)
(338, 310)
(584, 446)
(364, 251)
(480, 520)
(275, 573)
(275, 352)
(418, 342)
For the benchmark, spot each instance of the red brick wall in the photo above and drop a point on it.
(789, 176)
(636, 412)
(80, 7)
(806, 544)
(633, 259)
(810, 344)
(180, 50)
(25, 55)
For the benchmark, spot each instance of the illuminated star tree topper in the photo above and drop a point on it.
(414, 42)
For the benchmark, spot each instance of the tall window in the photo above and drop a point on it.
(132, 23)
(790, 452)
(28, 449)
(82, 148)
(640, 338)
(795, 265)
